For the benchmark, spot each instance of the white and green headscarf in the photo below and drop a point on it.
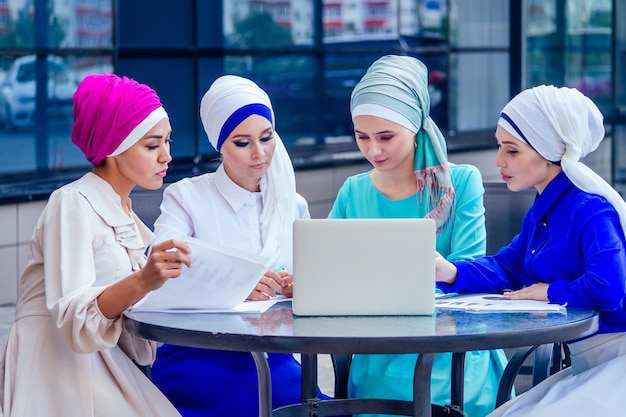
(396, 88)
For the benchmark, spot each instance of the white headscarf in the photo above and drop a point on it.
(563, 126)
(226, 100)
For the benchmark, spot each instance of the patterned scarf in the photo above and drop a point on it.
(396, 88)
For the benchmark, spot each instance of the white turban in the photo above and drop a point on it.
(563, 126)
(229, 101)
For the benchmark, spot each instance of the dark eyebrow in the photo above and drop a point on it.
(248, 136)
(155, 136)
(241, 136)
(508, 142)
(382, 132)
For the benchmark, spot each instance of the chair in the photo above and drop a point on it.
(548, 360)
(147, 203)
(504, 213)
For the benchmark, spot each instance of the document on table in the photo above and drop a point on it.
(492, 302)
(219, 280)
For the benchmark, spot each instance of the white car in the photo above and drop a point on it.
(18, 90)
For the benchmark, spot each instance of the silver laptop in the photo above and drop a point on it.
(363, 267)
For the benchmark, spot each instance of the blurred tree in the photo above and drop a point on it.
(21, 31)
(258, 30)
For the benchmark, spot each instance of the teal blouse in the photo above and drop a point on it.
(462, 238)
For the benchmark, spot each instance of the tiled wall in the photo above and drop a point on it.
(17, 222)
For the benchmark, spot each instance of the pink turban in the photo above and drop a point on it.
(111, 114)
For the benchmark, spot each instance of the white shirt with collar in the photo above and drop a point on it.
(212, 207)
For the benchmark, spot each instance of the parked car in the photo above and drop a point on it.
(18, 90)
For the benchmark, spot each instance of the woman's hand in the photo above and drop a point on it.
(538, 291)
(287, 290)
(444, 271)
(166, 261)
(272, 283)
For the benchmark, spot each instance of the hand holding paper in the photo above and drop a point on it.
(220, 278)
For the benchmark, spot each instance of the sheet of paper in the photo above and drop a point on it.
(253, 307)
(492, 302)
(219, 279)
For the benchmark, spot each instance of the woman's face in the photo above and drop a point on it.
(388, 146)
(248, 151)
(145, 163)
(521, 167)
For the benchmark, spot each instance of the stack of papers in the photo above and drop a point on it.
(219, 280)
(492, 302)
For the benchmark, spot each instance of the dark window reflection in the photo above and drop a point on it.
(571, 47)
(289, 81)
(17, 24)
(266, 24)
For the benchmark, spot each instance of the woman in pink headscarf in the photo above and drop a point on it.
(68, 354)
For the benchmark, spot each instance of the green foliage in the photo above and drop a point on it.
(259, 30)
(21, 31)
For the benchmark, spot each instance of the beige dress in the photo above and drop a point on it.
(63, 357)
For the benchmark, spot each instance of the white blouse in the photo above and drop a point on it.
(213, 208)
(63, 357)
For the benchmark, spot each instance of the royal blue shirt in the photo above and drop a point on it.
(570, 239)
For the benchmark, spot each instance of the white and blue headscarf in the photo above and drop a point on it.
(228, 102)
(563, 126)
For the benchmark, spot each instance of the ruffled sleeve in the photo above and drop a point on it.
(84, 254)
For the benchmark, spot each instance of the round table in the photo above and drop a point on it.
(278, 330)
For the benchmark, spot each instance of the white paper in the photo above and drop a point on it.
(492, 302)
(255, 307)
(219, 279)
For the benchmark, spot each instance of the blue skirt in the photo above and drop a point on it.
(217, 383)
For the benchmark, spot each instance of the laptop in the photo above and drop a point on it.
(353, 267)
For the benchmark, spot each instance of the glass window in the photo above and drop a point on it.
(620, 56)
(258, 24)
(290, 83)
(571, 47)
(17, 24)
(479, 69)
(151, 24)
(619, 150)
(344, 20)
(480, 90)
(41, 141)
(479, 23)
(80, 23)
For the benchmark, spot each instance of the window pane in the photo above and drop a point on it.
(80, 23)
(249, 24)
(19, 112)
(589, 50)
(427, 18)
(359, 20)
(481, 90)
(571, 47)
(619, 136)
(289, 82)
(544, 52)
(17, 24)
(620, 56)
(151, 24)
(479, 23)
